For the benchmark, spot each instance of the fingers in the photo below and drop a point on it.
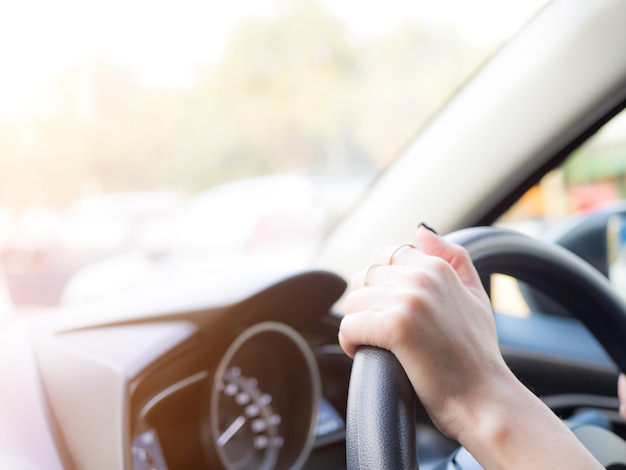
(455, 255)
(359, 328)
(621, 393)
(407, 253)
(429, 244)
(385, 329)
(381, 270)
(405, 281)
(373, 298)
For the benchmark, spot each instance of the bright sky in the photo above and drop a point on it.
(162, 40)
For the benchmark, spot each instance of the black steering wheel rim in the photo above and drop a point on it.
(380, 425)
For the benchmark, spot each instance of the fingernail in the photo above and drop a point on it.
(428, 227)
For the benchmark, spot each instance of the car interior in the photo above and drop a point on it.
(245, 371)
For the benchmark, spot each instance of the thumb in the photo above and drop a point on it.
(457, 256)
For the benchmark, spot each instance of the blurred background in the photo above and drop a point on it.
(147, 141)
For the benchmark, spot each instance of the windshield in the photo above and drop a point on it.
(142, 141)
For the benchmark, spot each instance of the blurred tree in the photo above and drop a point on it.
(292, 93)
(284, 91)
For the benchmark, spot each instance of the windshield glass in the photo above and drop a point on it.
(142, 141)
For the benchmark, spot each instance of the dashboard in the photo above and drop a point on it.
(251, 379)
(258, 383)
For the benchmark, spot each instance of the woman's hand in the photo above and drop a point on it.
(428, 307)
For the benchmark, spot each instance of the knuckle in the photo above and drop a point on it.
(439, 266)
(413, 301)
(430, 275)
(459, 253)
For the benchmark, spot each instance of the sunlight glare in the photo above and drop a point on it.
(163, 42)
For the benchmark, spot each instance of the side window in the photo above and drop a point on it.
(581, 204)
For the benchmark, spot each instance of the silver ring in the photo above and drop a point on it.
(407, 245)
(367, 273)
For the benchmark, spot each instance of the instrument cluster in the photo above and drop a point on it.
(260, 406)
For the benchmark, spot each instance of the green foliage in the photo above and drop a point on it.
(292, 93)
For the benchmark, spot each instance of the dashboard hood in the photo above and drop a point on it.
(158, 302)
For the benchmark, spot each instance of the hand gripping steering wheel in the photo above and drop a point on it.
(380, 425)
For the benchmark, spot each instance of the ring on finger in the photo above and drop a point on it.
(368, 272)
(406, 245)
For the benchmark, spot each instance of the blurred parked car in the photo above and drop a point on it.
(274, 221)
(45, 248)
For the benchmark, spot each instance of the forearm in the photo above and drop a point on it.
(515, 430)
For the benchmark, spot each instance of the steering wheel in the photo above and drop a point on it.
(380, 424)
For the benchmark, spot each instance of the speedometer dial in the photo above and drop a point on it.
(262, 407)
(247, 417)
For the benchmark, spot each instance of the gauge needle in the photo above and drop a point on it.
(230, 431)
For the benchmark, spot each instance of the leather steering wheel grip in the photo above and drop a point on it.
(380, 424)
(380, 414)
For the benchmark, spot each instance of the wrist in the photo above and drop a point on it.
(513, 429)
(486, 418)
